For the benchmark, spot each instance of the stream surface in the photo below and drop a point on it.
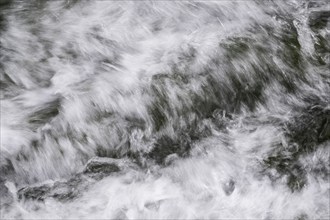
(165, 109)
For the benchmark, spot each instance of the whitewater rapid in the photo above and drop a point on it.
(164, 109)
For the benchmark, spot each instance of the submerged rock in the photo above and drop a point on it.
(95, 169)
(99, 167)
(229, 187)
(35, 192)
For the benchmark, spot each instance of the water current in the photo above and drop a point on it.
(165, 109)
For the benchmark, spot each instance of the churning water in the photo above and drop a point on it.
(165, 109)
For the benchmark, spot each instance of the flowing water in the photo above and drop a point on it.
(165, 109)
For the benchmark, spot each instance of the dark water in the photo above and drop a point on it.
(165, 109)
